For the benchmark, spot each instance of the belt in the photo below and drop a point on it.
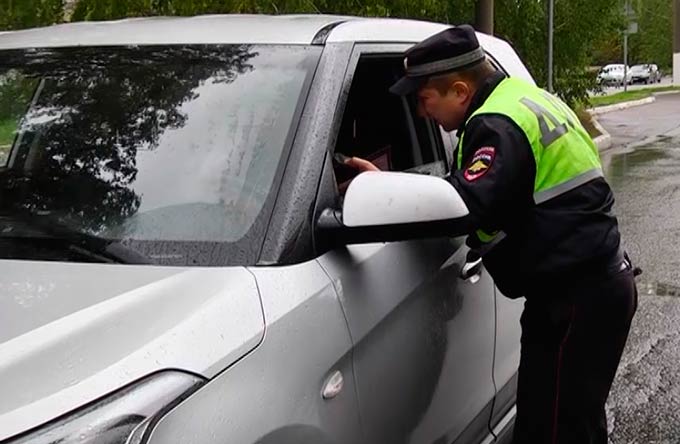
(601, 268)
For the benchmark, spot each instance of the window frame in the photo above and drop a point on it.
(436, 142)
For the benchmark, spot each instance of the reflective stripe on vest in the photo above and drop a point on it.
(569, 185)
(566, 157)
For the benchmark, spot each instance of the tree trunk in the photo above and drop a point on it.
(484, 16)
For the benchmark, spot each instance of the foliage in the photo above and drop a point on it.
(18, 14)
(455, 12)
(15, 95)
(578, 24)
(651, 44)
(584, 29)
(7, 131)
(654, 41)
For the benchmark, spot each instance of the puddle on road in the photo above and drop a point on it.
(619, 164)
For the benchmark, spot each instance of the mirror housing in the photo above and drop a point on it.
(390, 206)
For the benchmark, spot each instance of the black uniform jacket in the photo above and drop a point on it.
(569, 237)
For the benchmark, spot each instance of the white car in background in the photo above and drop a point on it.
(647, 73)
(614, 75)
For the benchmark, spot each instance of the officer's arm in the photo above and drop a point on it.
(496, 180)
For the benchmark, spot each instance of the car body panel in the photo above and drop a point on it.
(507, 355)
(273, 395)
(423, 338)
(648, 73)
(205, 29)
(614, 73)
(411, 31)
(99, 327)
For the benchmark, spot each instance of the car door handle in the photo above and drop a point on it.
(471, 271)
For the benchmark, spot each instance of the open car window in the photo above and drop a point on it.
(384, 128)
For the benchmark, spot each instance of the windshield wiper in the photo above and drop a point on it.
(100, 249)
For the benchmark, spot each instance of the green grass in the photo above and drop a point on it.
(629, 96)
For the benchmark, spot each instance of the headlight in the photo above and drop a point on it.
(123, 417)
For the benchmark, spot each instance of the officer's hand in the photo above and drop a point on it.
(360, 164)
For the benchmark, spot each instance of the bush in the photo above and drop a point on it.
(30, 13)
(579, 23)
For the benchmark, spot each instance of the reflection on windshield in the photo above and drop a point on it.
(151, 146)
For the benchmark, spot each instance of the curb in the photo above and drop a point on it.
(666, 93)
(604, 140)
(619, 106)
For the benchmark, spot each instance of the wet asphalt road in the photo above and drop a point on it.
(644, 170)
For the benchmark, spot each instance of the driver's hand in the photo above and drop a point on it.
(360, 164)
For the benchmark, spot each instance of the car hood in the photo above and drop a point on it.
(70, 333)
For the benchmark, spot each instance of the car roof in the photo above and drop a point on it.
(247, 29)
(206, 29)
(222, 29)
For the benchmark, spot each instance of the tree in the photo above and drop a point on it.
(578, 25)
(651, 44)
(426, 9)
(654, 41)
(18, 14)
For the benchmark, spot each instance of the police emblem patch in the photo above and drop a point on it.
(480, 163)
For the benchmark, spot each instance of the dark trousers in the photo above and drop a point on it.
(572, 341)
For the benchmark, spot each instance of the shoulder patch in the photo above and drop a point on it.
(480, 163)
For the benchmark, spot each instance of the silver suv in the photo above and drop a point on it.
(648, 73)
(183, 260)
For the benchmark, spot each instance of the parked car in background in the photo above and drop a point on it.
(613, 75)
(179, 263)
(647, 73)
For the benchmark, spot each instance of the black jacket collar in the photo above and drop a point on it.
(483, 93)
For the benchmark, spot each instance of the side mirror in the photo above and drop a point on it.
(387, 206)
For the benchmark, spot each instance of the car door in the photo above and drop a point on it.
(423, 337)
(508, 311)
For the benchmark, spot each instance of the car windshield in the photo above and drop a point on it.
(639, 68)
(172, 153)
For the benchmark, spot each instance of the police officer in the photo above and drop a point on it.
(541, 218)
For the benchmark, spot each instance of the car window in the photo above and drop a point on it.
(385, 128)
(172, 150)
